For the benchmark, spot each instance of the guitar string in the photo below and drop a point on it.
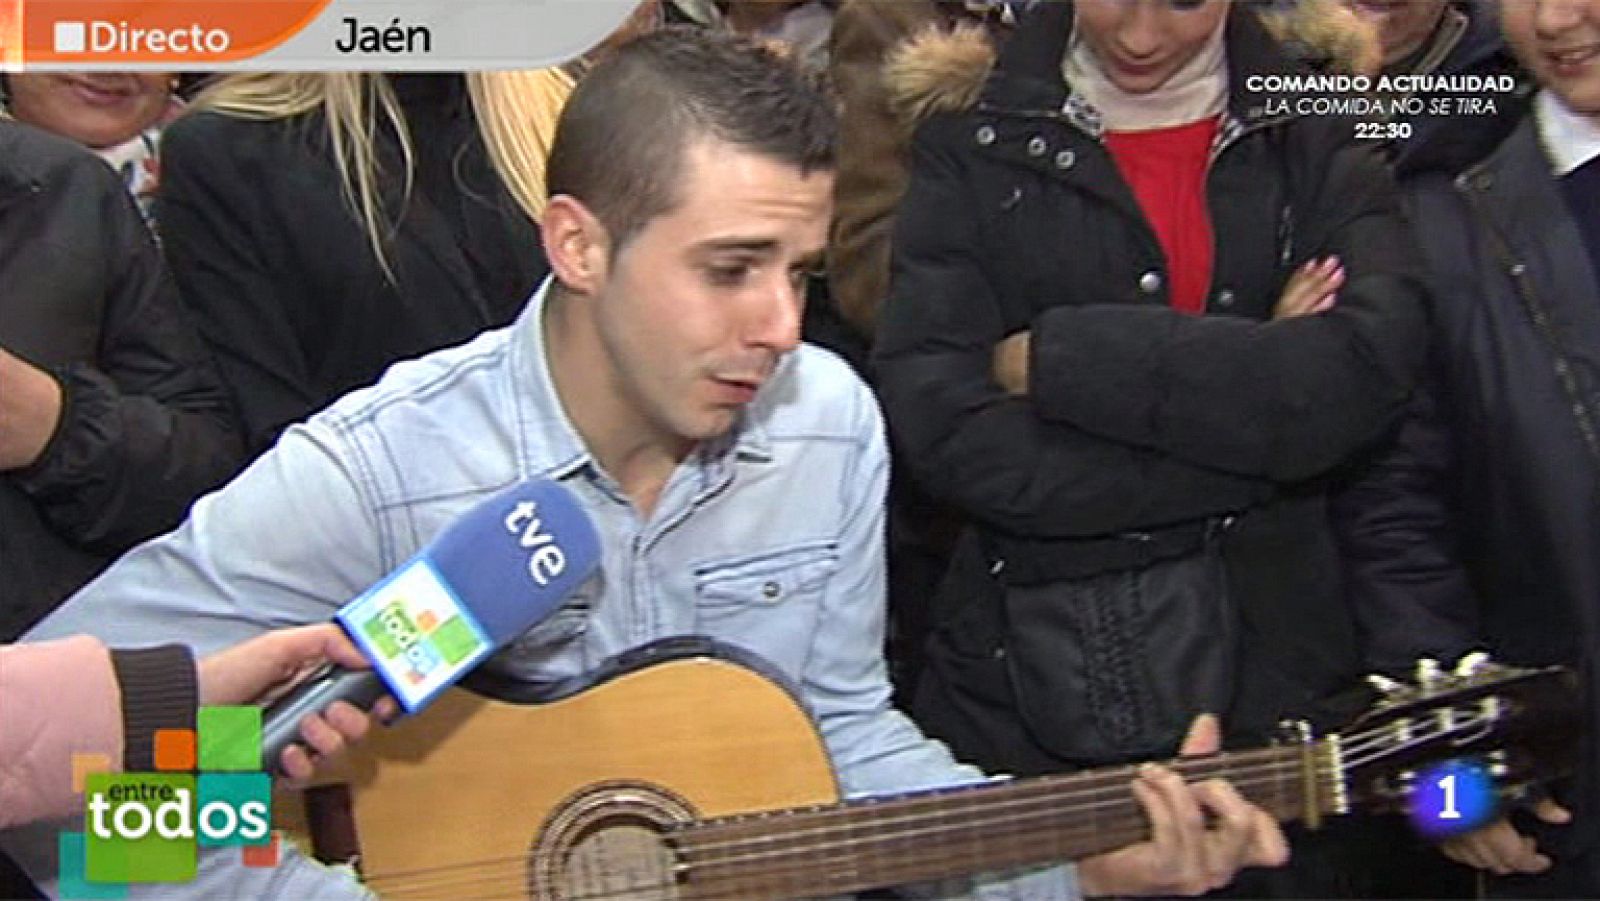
(806, 871)
(905, 871)
(743, 890)
(1372, 737)
(1053, 801)
(1277, 757)
(1046, 807)
(1115, 781)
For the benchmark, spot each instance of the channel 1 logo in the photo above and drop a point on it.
(1452, 798)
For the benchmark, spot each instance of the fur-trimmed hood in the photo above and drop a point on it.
(945, 70)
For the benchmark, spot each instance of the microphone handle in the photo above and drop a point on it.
(280, 723)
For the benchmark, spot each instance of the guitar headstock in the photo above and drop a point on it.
(1517, 726)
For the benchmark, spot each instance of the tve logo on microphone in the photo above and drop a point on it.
(548, 560)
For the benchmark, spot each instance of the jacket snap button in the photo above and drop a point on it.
(1225, 298)
(1065, 159)
(770, 590)
(985, 135)
(1150, 282)
(1037, 146)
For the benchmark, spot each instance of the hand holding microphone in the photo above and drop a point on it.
(486, 579)
(262, 669)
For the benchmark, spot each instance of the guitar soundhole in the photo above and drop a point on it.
(609, 843)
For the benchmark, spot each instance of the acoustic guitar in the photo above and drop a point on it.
(684, 770)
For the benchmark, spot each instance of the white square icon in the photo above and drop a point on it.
(70, 37)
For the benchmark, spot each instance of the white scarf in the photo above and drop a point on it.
(1199, 90)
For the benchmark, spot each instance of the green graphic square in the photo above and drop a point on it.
(167, 800)
(381, 639)
(230, 738)
(454, 640)
(225, 812)
(70, 882)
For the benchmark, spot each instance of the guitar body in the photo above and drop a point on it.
(454, 803)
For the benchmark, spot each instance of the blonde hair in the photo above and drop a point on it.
(516, 113)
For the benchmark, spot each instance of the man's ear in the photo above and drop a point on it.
(577, 245)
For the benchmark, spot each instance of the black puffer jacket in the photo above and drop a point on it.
(1160, 491)
(146, 426)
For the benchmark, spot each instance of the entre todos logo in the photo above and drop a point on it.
(147, 827)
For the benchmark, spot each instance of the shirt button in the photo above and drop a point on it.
(1065, 159)
(985, 135)
(1224, 298)
(1150, 282)
(1037, 146)
(771, 590)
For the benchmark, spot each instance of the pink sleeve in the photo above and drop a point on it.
(57, 699)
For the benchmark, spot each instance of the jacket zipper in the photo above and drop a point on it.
(1540, 315)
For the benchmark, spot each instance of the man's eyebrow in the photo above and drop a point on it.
(812, 262)
(751, 245)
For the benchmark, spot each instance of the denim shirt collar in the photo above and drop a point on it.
(549, 445)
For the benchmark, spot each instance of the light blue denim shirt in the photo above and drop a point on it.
(771, 539)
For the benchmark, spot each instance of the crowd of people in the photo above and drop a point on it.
(1012, 364)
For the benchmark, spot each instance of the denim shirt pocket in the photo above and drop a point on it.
(553, 649)
(769, 602)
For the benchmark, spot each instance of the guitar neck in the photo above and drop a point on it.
(938, 835)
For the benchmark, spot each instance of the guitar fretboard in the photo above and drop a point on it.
(938, 835)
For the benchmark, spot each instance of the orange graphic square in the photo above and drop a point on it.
(261, 855)
(426, 621)
(175, 749)
(84, 764)
(10, 35)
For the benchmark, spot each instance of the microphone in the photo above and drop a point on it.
(487, 578)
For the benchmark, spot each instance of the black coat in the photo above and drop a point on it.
(145, 426)
(1481, 528)
(282, 277)
(1145, 431)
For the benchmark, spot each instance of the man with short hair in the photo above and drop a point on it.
(736, 477)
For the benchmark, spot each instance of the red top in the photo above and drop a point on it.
(1166, 168)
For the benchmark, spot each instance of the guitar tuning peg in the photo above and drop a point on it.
(1428, 672)
(1384, 685)
(1472, 663)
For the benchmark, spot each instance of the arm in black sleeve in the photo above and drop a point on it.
(961, 433)
(1403, 571)
(147, 427)
(1284, 400)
